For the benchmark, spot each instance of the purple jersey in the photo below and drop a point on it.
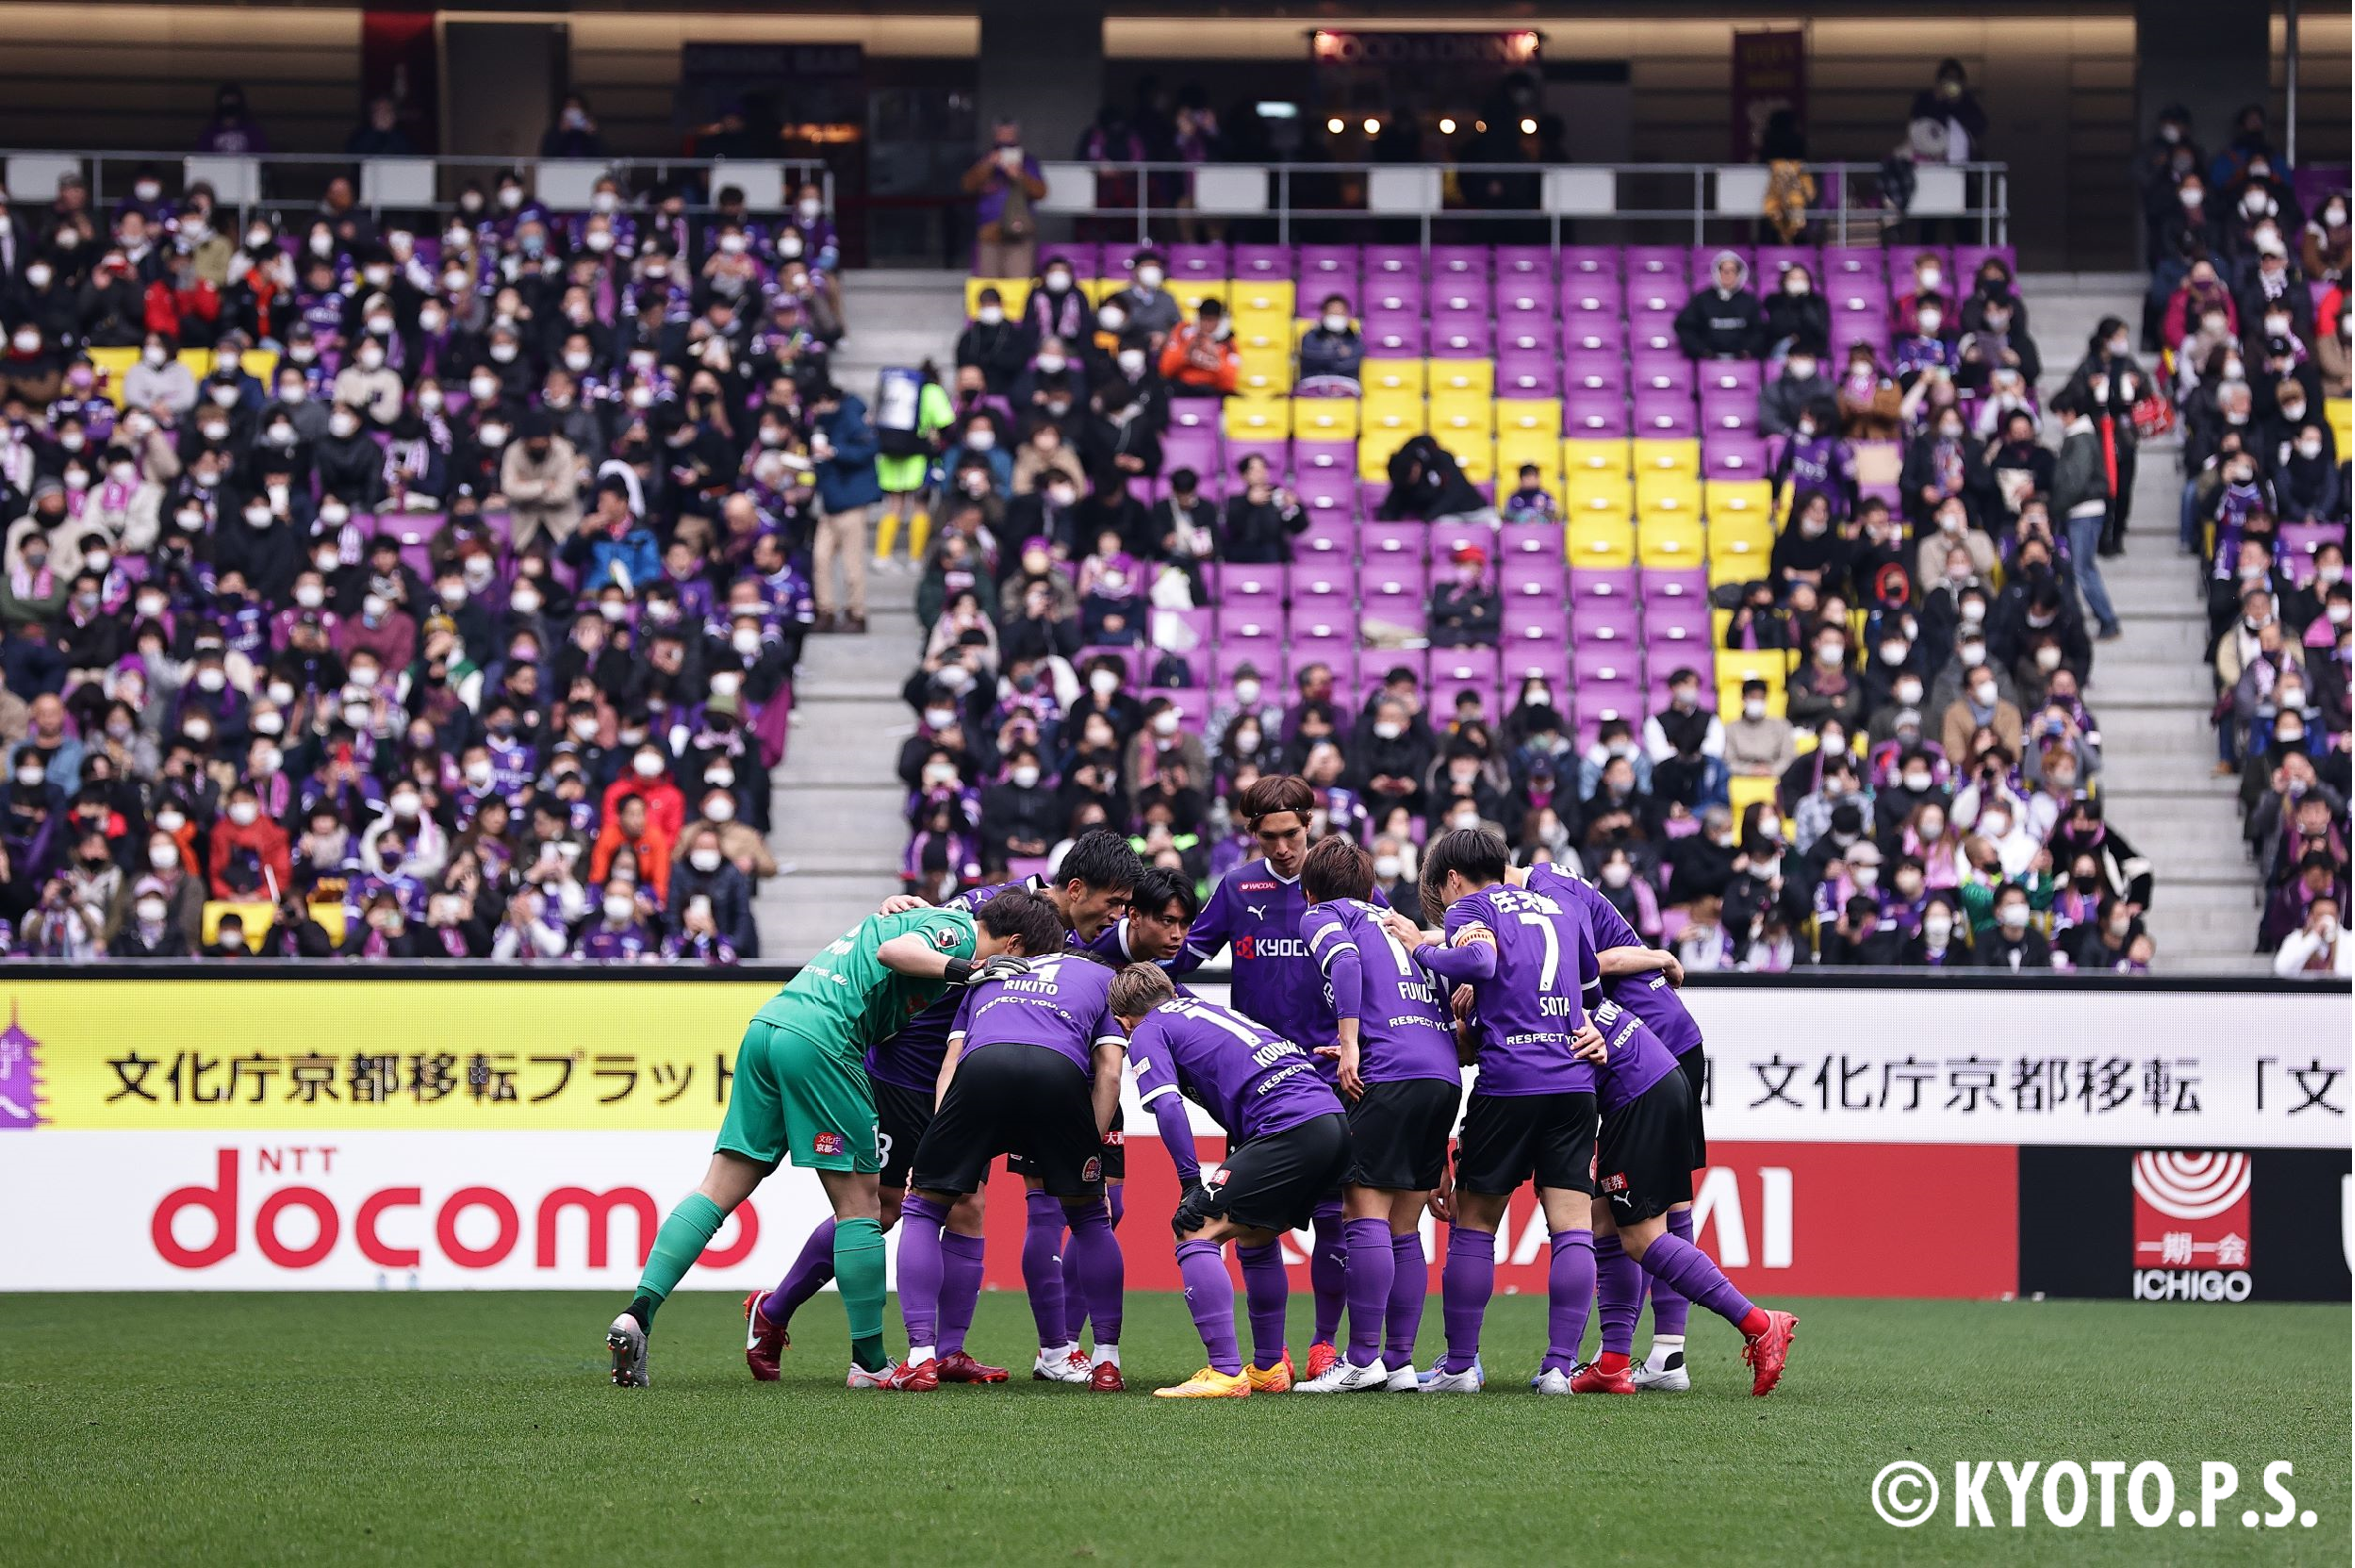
(1275, 984)
(912, 1057)
(1527, 1008)
(1402, 1027)
(1638, 1059)
(1113, 943)
(1063, 1003)
(1649, 996)
(1252, 1082)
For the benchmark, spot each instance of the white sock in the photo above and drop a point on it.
(1057, 1355)
(1664, 1347)
(1108, 1355)
(918, 1354)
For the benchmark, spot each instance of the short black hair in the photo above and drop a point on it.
(1016, 912)
(1100, 858)
(1158, 886)
(1473, 853)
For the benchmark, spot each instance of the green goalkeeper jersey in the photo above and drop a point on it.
(846, 1000)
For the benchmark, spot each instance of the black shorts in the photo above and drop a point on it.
(1398, 1133)
(901, 1116)
(1013, 1099)
(1276, 1183)
(1116, 1156)
(1512, 1138)
(1641, 1158)
(1695, 1067)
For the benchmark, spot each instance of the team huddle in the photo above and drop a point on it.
(918, 1049)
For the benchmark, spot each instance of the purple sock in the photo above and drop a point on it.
(961, 1288)
(1210, 1296)
(1675, 1261)
(920, 1223)
(1668, 1307)
(1075, 1294)
(1328, 1270)
(1042, 1268)
(1619, 1281)
(1570, 1297)
(812, 1269)
(1099, 1275)
(1410, 1287)
(1265, 1292)
(1465, 1284)
(1373, 1269)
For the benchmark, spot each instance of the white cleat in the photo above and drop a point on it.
(1553, 1380)
(1071, 1367)
(1404, 1381)
(1669, 1377)
(627, 1341)
(1343, 1379)
(1441, 1381)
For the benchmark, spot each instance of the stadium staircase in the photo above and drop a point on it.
(2151, 689)
(836, 803)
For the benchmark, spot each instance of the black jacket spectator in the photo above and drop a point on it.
(1724, 321)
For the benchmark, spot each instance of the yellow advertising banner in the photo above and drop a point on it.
(352, 1053)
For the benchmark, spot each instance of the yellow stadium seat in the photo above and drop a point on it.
(1743, 790)
(1665, 457)
(1261, 334)
(1258, 419)
(1675, 495)
(1729, 697)
(1737, 499)
(1391, 377)
(1534, 415)
(1263, 373)
(1262, 297)
(1535, 449)
(1324, 419)
(1473, 451)
(1099, 289)
(2340, 412)
(1390, 410)
(1720, 622)
(1667, 540)
(1740, 548)
(1461, 375)
(1594, 456)
(1469, 412)
(1736, 666)
(112, 364)
(1014, 291)
(1191, 291)
(1599, 496)
(1600, 541)
(1375, 448)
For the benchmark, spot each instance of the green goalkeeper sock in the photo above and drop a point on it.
(859, 1275)
(678, 1245)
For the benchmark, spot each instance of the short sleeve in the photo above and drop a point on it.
(1322, 930)
(950, 930)
(963, 1014)
(1148, 1059)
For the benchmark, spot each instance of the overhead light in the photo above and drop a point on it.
(1529, 128)
(1447, 127)
(1480, 126)
(1334, 125)
(1279, 111)
(1374, 127)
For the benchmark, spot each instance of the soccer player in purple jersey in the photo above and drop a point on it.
(1531, 1112)
(1032, 1067)
(1643, 981)
(1400, 1076)
(1091, 893)
(1288, 1143)
(1641, 1170)
(1256, 912)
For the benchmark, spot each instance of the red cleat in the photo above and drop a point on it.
(958, 1367)
(1592, 1379)
(921, 1378)
(1768, 1350)
(764, 1342)
(1106, 1379)
(1321, 1359)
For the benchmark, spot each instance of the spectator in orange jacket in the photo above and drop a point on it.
(648, 779)
(632, 826)
(251, 857)
(181, 304)
(1200, 360)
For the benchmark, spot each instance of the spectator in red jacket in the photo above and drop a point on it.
(648, 779)
(632, 826)
(1200, 360)
(181, 304)
(250, 856)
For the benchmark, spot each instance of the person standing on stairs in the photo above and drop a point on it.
(843, 445)
(2111, 382)
(2080, 497)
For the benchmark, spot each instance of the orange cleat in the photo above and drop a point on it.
(1106, 1379)
(1768, 1350)
(1275, 1379)
(1321, 1358)
(764, 1342)
(958, 1367)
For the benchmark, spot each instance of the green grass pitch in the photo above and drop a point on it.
(478, 1429)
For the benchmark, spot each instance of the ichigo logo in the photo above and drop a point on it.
(2191, 1227)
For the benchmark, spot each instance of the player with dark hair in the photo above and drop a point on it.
(1288, 1143)
(801, 1091)
(1032, 1067)
(1089, 891)
(1256, 912)
(1400, 1077)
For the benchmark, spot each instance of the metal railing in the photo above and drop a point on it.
(1286, 198)
(272, 181)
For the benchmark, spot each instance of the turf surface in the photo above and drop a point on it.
(478, 1429)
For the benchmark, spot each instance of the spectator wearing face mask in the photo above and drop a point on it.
(1797, 317)
(1943, 463)
(1198, 359)
(1331, 353)
(1943, 941)
(1723, 320)
(703, 872)
(1801, 393)
(2013, 943)
(1981, 702)
(1465, 611)
(540, 476)
(999, 348)
(250, 852)
(1758, 744)
(2319, 947)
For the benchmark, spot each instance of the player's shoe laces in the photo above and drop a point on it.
(1275, 1379)
(1106, 1379)
(1321, 1360)
(1405, 1380)
(764, 1342)
(1344, 1377)
(1767, 1352)
(627, 1339)
(1592, 1379)
(922, 1378)
(1441, 1381)
(1668, 1377)
(958, 1367)
(1065, 1368)
(1208, 1383)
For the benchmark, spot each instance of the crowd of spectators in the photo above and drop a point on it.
(2248, 315)
(389, 588)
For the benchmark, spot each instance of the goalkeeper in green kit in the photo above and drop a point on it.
(801, 1092)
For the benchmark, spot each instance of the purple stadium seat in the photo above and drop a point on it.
(1656, 296)
(1593, 294)
(1250, 621)
(1187, 632)
(1445, 538)
(1461, 294)
(1595, 333)
(1523, 299)
(1859, 308)
(1662, 414)
(1194, 263)
(1704, 255)
(411, 528)
(1393, 262)
(1392, 574)
(1534, 331)
(1532, 622)
(1277, 449)
(1732, 409)
(1532, 574)
(2299, 541)
(1337, 653)
(1324, 620)
(1653, 371)
(1732, 458)
(1459, 262)
(1654, 260)
(1607, 593)
(1327, 490)
(1591, 261)
(1391, 294)
(1527, 542)
(1589, 416)
(1452, 668)
(1396, 603)
(1394, 334)
(1236, 587)
(1772, 259)
(1193, 414)
(1265, 262)
(1311, 581)
(1615, 623)
(1265, 655)
(1328, 267)
(1461, 334)
(1522, 260)
(1968, 258)
(1528, 372)
(1595, 370)
(1329, 538)
(1380, 540)
(1727, 375)
(1855, 261)
(1522, 661)
(1607, 691)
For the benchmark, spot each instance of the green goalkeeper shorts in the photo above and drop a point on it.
(794, 1100)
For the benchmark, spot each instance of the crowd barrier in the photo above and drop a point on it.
(405, 1128)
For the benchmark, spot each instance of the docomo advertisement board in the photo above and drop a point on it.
(353, 1133)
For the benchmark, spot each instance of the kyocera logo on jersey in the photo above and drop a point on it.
(2191, 1227)
(1255, 948)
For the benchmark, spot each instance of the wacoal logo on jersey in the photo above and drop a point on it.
(1251, 948)
(1255, 887)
